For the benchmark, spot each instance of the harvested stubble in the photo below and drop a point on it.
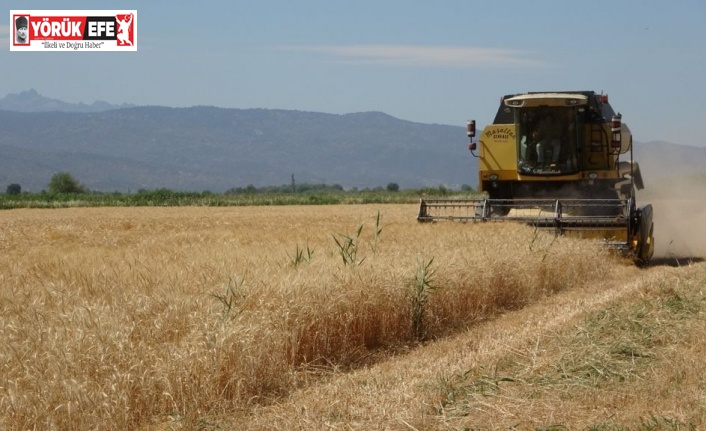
(113, 318)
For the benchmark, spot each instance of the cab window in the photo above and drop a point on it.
(547, 140)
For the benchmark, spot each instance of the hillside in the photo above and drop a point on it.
(662, 160)
(207, 148)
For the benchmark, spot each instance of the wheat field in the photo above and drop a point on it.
(165, 318)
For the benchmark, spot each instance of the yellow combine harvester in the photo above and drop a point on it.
(557, 160)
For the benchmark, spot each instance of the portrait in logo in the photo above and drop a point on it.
(21, 33)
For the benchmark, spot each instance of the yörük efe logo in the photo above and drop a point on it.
(74, 30)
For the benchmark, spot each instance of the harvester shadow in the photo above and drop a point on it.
(674, 261)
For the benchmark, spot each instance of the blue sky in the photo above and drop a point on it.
(424, 61)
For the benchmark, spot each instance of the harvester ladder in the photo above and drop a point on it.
(599, 145)
(597, 142)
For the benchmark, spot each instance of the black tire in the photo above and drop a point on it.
(646, 247)
(646, 243)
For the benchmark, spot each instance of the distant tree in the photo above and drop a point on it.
(64, 182)
(393, 187)
(466, 188)
(13, 189)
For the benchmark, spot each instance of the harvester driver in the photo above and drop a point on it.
(550, 135)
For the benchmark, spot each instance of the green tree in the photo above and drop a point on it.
(393, 187)
(64, 182)
(13, 189)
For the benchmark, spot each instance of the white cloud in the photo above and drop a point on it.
(412, 55)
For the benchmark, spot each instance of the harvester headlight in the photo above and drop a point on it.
(493, 177)
(471, 128)
(593, 175)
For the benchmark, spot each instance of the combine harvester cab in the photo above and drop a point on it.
(560, 161)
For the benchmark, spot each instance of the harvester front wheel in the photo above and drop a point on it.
(646, 244)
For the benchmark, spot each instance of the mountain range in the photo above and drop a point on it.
(31, 101)
(207, 148)
(125, 148)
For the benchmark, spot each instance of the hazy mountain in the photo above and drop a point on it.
(31, 101)
(662, 159)
(207, 148)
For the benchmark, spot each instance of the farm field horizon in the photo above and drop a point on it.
(305, 317)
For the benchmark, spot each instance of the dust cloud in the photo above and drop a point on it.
(679, 215)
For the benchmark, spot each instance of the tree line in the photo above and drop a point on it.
(65, 183)
(65, 190)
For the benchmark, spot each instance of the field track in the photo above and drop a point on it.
(480, 373)
(136, 301)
